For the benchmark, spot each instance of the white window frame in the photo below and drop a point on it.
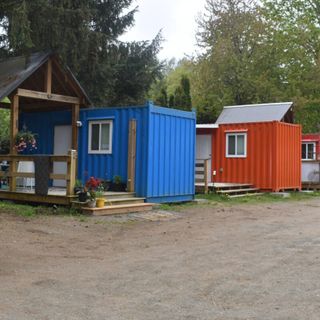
(100, 123)
(314, 151)
(236, 134)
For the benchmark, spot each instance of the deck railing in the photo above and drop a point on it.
(12, 174)
(202, 166)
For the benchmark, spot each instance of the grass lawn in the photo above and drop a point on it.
(212, 199)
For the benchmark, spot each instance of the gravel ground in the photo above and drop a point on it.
(218, 262)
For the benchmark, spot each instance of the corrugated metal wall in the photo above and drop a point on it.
(171, 155)
(288, 169)
(273, 156)
(106, 166)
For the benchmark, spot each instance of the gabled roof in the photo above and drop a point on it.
(14, 71)
(254, 113)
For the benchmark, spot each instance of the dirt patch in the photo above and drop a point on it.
(235, 262)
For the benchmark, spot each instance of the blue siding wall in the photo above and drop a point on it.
(43, 123)
(171, 155)
(106, 166)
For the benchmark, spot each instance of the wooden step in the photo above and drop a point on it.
(118, 195)
(120, 200)
(245, 195)
(230, 191)
(118, 209)
(228, 186)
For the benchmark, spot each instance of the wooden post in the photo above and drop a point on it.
(206, 187)
(48, 78)
(14, 129)
(132, 142)
(75, 118)
(71, 172)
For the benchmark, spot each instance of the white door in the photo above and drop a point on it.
(62, 145)
(204, 149)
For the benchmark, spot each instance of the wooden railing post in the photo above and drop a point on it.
(206, 187)
(14, 128)
(71, 171)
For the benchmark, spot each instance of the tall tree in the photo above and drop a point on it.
(85, 34)
(293, 27)
(236, 66)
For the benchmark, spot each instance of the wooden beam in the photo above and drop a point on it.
(132, 154)
(67, 79)
(75, 130)
(48, 77)
(48, 97)
(14, 122)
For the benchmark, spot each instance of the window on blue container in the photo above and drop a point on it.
(100, 136)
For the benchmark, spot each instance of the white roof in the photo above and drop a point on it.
(207, 126)
(254, 113)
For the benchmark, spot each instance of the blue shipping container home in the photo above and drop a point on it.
(164, 155)
(151, 148)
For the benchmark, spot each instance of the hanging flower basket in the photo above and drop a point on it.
(25, 141)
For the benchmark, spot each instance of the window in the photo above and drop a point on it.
(308, 151)
(236, 145)
(100, 137)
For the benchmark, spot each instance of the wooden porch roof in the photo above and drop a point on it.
(28, 78)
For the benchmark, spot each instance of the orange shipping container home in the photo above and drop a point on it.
(254, 144)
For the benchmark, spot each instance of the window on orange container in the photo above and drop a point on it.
(236, 145)
(308, 151)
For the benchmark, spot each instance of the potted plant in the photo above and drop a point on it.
(78, 186)
(92, 199)
(83, 194)
(117, 184)
(106, 184)
(25, 141)
(93, 183)
(100, 196)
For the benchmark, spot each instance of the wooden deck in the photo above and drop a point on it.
(23, 195)
(218, 185)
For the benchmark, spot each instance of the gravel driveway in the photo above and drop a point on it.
(214, 262)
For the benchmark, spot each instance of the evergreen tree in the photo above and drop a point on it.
(85, 34)
(182, 98)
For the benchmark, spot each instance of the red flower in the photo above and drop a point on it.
(93, 183)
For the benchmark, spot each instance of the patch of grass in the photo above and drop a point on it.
(176, 206)
(263, 198)
(32, 211)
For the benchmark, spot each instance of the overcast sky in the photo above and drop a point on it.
(176, 18)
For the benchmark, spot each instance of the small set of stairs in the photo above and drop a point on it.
(236, 190)
(119, 203)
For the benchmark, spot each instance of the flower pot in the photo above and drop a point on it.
(76, 190)
(100, 202)
(118, 187)
(82, 196)
(92, 203)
